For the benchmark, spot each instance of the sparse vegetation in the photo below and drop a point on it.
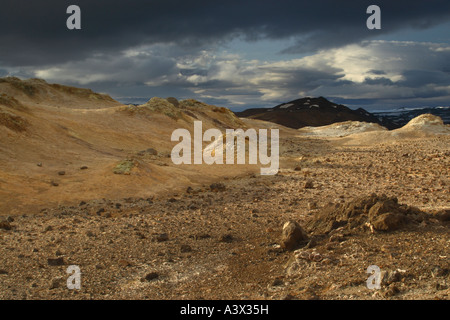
(156, 105)
(88, 93)
(124, 167)
(24, 86)
(193, 103)
(221, 110)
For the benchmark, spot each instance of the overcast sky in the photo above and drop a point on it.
(238, 54)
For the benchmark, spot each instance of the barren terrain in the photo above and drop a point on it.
(160, 231)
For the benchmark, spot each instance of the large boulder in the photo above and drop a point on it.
(292, 236)
(381, 213)
(388, 221)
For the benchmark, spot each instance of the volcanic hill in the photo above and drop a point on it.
(62, 144)
(312, 112)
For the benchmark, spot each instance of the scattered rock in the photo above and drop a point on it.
(118, 205)
(389, 277)
(5, 225)
(151, 276)
(383, 205)
(292, 235)
(309, 294)
(437, 271)
(216, 187)
(443, 215)
(277, 282)
(124, 263)
(57, 283)
(162, 237)
(61, 173)
(388, 221)
(56, 261)
(309, 184)
(228, 238)
(336, 238)
(192, 206)
(90, 233)
(312, 205)
(441, 286)
(288, 297)
(149, 151)
(185, 248)
(84, 168)
(201, 236)
(311, 244)
(391, 291)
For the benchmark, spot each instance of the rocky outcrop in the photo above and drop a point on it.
(378, 213)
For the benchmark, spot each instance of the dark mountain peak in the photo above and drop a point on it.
(309, 111)
(363, 111)
(319, 103)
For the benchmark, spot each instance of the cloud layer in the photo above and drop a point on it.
(35, 33)
(390, 72)
(176, 48)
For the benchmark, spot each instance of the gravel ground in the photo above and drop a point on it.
(224, 242)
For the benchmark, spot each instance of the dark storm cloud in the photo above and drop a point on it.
(381, 81)
(418, 78)
(35, 33)
(377, 72)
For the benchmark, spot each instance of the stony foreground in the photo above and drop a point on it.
(224, 241)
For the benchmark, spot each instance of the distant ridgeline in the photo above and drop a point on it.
(402, 116)
(313, 112)
(316, 112)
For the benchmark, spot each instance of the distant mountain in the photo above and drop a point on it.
(400, 117)
(311, 112)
